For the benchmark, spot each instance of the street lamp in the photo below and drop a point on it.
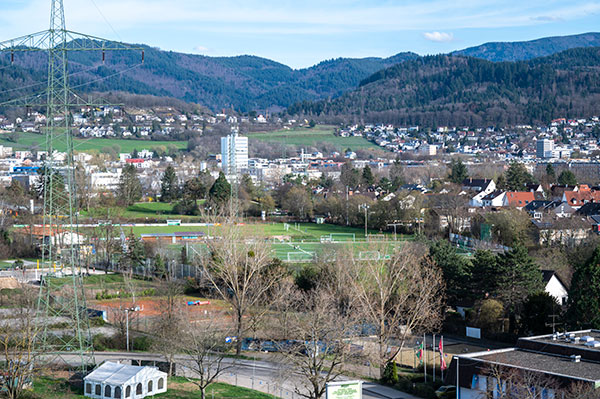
(127, 310)
(366, 209)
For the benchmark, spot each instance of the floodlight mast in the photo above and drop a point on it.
(61, 244)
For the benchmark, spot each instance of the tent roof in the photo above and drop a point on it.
(118, 374)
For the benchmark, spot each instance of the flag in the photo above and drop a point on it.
(420, 352)
(442, 360)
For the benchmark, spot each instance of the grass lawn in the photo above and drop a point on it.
(178, 388)
(141, 210)
(311, 137)
(28, 140)
(304, 231)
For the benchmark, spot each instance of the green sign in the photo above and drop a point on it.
(344, 390)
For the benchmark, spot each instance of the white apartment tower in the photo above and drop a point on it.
(234, 154)
(544, 148)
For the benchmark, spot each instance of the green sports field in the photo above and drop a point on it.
(311, 137)
(26, 141)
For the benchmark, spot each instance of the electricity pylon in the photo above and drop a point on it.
(61, 244)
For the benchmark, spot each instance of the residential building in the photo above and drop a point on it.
(544, 148)
(234, 154)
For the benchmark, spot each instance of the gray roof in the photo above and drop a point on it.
(118, 374)
(542, 362)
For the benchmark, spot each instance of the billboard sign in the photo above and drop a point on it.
(344, 390)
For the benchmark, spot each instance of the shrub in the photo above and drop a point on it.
(143, 343)
(390, 374)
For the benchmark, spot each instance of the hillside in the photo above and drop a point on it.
(520, 51)
(244, 82)
(455, 90)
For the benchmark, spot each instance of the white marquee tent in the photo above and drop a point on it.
(120, 381)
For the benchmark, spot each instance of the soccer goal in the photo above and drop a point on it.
(369, 255)
(326, 238)
(342, 237)
(300, 257)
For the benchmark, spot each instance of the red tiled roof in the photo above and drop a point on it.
(519, 198)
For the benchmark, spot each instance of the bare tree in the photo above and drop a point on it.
(170, 322)
(243, 274)
(396, 296)
(317, 329)
(204, 345)
(18, 334)
(512, 383)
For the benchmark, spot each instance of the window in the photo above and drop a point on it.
(128, 391)
(107, 391)
(88, 388)
(138, 389)
(161, 383)
(118, 392)
(150, 386)
(98, 390)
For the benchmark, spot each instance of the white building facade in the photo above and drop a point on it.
(234, 154)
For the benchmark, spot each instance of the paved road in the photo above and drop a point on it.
(266, 376)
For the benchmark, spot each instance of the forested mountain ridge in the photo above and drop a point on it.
(243, 82)
(526, 50)
(457, 90)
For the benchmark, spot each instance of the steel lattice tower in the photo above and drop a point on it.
(61, 242)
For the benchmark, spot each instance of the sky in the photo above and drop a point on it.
(301, 33)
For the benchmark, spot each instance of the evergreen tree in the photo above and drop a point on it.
(195, 189)
(220, 192)
(130, 188)
(457, 270)
(135, 154)
(135, 253)
(550, 173)
(536, 311)
(517, 177)
(484, 273)
(584, 295)
(567, 178)
(518, 276)
(390, 374)
(458, 171)
(501, 183)
(159, 266)
(367, 176)
(169, 189)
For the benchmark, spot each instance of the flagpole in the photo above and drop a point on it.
(425, 356)
(442, 358)
(433, 363)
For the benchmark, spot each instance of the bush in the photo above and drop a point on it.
(143, 343)
(97, 322)
(390, 374)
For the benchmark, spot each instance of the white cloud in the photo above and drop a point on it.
(201, 49)
(440, 37)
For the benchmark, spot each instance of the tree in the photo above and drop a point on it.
(536, 313)
(169, 188)
(367, 176)
(550, 173)
(349, 176)
(397, 175)
(18, 336)
(220, 192)
(483, 274)
(390, 374)
(490, 312)
(395, 296)
(134, 255)
(130, 188)
(204, 344)
(517, 177)
(517, 278)
(298, 203)
(171, 321)
(567, 178)
(458, 171)
(243, 274)
(457, 270)
(584, 295)
(317, 327)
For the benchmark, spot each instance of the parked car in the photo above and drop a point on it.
(446, 392)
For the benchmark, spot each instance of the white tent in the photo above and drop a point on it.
(120, 381)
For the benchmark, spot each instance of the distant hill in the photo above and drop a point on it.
(520, 51)
(457, 90)
(244, 82)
